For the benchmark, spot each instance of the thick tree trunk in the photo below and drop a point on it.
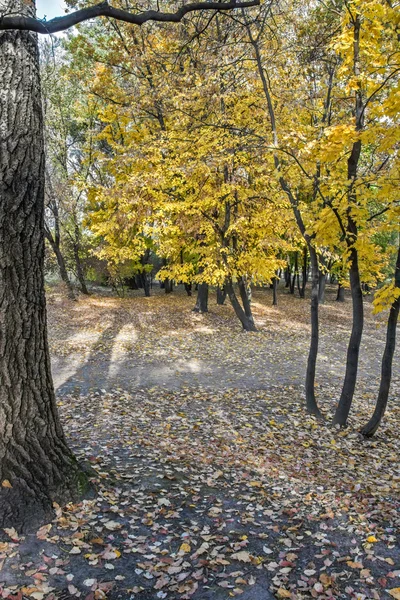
(353, 350)
(387, 361)
(247, 324)
(36, 465)
(311, 402)
(221, 295)
(202, 299)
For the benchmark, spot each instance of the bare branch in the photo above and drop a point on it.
(105, 10)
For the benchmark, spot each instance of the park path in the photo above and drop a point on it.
(141, 343)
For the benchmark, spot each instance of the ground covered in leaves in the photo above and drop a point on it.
(210, 481)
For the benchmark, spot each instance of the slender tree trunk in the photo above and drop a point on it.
(202, 299)
(247, 324)
(188, 289)
(353, 350)
(36, 465)
(340, 293)
(221, 295)
(287, 276)
(293, 281)
(311, 402)
(387, 361)
(322, 286)
(145, 275)
(245, 294)
(79, 269)
(302, 287)
(61, 264)
(275, 291)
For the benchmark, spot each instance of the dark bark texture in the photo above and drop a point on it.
(311, 402)
(353, 350)
(34, 457)
(387, 362)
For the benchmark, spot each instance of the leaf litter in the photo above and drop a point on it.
(217, 493)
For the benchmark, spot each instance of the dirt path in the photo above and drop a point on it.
(120, 343)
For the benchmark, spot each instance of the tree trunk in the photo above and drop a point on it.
(145, 275)
(387, 361)
(353, 350)
(340, 293)
(35, 461)
(202, 299)
(311, 402)
(287, 276)
(168, 286)
(221, 295)
(274, 291)
(293, 281)
(188, 288)
(245, 294)
(61, 264)
(321, 287)
(247, 324)
(79, 270)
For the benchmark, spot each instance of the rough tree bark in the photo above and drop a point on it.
(387, 361)
(35, 460)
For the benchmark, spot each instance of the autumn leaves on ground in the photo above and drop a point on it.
(210, 482)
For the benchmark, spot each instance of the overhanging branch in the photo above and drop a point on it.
(105, 10)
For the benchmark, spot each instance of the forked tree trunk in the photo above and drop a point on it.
(245, 294)
(387, 361)
(247, 324)
(353, 350)
(36, 465)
